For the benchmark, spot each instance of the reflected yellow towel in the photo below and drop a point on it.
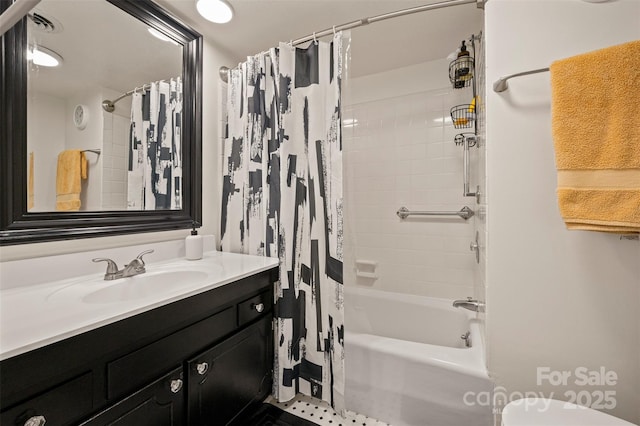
(72, 168)
(30, 184)
(596, 132)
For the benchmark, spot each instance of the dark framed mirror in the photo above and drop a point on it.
(20, 223)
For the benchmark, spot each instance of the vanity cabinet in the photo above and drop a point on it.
(198, 361)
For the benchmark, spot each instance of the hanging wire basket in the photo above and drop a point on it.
(463, 116)
(461, 72)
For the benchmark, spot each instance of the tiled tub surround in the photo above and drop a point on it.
(41, 303)
(399, 151)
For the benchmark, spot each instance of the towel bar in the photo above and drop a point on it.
(500, 85)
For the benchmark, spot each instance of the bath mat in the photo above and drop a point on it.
(270, 415)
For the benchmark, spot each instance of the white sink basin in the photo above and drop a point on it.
(162, 281)
(144, 285)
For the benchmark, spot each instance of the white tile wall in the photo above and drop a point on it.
(401, 153)
(114, 161)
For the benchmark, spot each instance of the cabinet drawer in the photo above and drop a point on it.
(254, 307)
(61, 405)
(142, 366)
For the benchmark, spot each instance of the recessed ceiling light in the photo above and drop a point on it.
(157, 34)
(218, 11)
(44, 57)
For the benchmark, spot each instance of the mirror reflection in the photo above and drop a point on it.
(104, 123)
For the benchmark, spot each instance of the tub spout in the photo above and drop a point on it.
(470, 304)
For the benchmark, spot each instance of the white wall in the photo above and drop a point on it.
(51, 131)
(401, 153)
(557, 299)
(46, 134)
(213, 59)
(88, 138)
(115, 152)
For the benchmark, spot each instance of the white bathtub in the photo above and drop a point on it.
(406, 363)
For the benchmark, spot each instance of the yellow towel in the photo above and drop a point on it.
(30, 184)
(72, 168)
(596, 132)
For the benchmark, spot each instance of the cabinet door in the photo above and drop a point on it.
(159, 404)
(226, 379)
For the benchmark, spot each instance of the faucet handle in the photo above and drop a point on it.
(139, 257)
(112, 268)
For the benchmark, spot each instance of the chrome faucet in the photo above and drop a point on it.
(470, 304)
(135, 267)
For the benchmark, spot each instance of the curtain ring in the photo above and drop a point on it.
(315, 40)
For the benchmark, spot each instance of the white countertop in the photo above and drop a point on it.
(37, 315)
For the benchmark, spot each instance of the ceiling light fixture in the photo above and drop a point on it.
(157, 34)
(218, 11)
(44, 57)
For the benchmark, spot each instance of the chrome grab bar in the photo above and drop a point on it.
(465, 213)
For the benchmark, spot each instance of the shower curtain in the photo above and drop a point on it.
(282, 197)
(155, 157)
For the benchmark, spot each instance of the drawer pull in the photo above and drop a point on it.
(176, 385)
(202, 368)
(259, 307)
(35, 421)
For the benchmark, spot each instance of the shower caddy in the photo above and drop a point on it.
(462, 74)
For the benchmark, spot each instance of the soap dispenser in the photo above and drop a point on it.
(463, 50)
(193, 245)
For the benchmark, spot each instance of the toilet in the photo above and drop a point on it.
(551, 412)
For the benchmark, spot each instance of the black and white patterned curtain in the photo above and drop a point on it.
(155, 145)
(282, 196)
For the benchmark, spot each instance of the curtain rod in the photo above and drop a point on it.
(223, 71)
(109, 106)
(378, 18)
